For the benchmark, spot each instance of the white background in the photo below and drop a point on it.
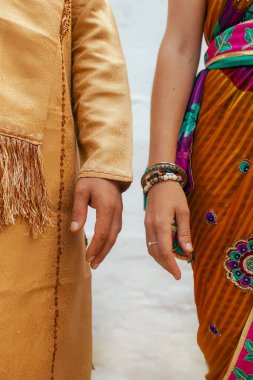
(144, 321)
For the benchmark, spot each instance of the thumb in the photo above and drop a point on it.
(80, 210)
(183, 230)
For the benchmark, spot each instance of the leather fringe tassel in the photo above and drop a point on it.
(23, 189)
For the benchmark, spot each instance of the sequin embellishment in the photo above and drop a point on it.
(214, 329)
(211, 217)
(239, 263)
(244, 166)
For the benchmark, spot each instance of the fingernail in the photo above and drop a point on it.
(95, 266)
(189, 246)
(91, 259)
(74, 226)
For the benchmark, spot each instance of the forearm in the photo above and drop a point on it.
(100, 93)
(175, 72)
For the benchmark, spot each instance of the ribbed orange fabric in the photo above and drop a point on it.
(223, 139)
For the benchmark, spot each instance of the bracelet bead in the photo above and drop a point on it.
(160, 172)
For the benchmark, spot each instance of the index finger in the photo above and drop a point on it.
(101, 233)
(164, 239)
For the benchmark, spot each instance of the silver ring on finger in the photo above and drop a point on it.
(152, 243)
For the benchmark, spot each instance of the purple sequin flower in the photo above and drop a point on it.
(211, 217)
(214, 329)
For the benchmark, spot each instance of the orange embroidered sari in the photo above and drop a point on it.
(221, 206)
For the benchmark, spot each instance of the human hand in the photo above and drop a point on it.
(166, 204)
(105, 196)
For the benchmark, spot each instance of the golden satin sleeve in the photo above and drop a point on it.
(100, 93)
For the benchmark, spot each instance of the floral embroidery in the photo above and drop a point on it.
(249, 347)
(190, 120)
(221, 41)
(214, 329)
(239, 373)
(211, 217)
(249, 15)
(239, 263)
(244, 166)
(248, 38)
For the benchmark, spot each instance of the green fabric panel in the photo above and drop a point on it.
(245, 60)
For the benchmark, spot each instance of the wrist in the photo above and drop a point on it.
(156, 159)
(161, 172)
(119, 185)
(155, 162)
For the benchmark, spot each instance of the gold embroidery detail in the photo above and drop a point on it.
(66, 19)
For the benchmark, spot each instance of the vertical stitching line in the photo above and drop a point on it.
(64, 27)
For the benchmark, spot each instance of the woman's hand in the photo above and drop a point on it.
(166, 204)
(104, 196)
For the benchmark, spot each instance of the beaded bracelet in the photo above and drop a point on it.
(166, 165)
(156, 177)
(161, 172)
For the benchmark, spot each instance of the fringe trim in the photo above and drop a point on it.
(23, 189)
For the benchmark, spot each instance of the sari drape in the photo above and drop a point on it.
(215, 146)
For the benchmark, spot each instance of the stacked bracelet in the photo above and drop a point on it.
(160, 172)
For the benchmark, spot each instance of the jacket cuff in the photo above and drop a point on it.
(123, 181)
